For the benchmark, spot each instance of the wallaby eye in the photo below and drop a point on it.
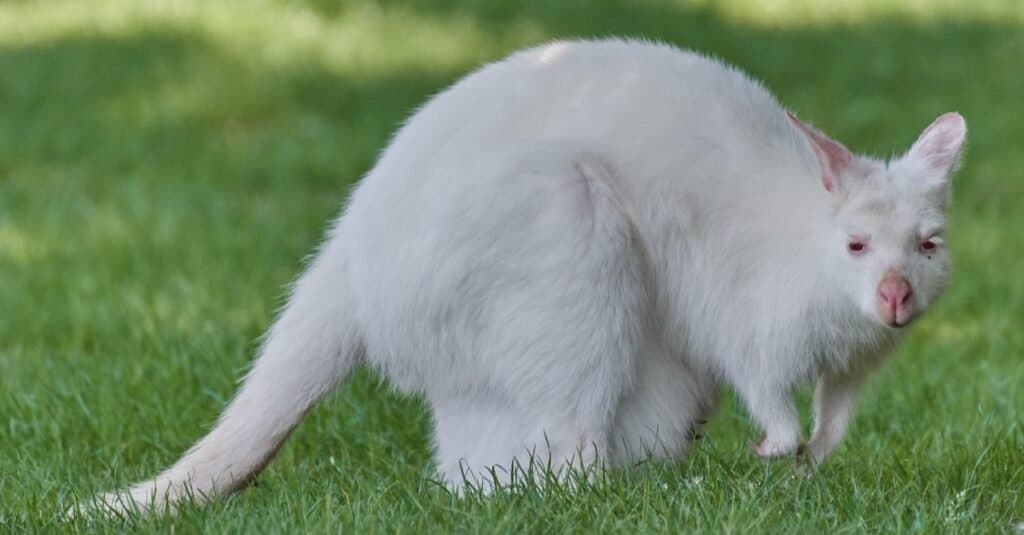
(929, 246)
(856, 247)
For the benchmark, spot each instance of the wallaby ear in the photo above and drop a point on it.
(832, 155)
(936, 153)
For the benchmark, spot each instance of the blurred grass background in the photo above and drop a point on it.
(165, 166)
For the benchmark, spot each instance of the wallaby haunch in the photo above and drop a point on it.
(568, 251)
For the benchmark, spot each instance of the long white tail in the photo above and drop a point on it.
(310, 349)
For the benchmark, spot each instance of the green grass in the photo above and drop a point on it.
(165, 166)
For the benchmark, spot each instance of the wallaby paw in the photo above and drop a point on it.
(769, 450)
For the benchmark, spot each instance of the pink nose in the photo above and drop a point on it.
(895, 298)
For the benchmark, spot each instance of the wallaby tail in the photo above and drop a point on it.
(310, 349)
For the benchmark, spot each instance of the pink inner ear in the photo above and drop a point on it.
(834, 157)
(938, 147)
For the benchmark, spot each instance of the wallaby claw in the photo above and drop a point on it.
(804, 462)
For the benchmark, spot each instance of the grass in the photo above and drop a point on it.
(164, 167)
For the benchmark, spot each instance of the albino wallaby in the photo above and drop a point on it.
(568, 251)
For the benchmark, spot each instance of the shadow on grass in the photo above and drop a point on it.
(171, 105)
(142, 101)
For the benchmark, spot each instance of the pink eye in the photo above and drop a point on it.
(855, 247)
(928, 246)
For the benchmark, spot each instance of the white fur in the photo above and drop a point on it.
(567, 251)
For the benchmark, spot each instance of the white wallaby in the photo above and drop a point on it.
(569, 250)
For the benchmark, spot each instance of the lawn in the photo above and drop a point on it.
(165, 166)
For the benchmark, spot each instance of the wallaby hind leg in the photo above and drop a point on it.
(560, 328)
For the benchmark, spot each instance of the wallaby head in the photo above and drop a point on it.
(888, 219)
